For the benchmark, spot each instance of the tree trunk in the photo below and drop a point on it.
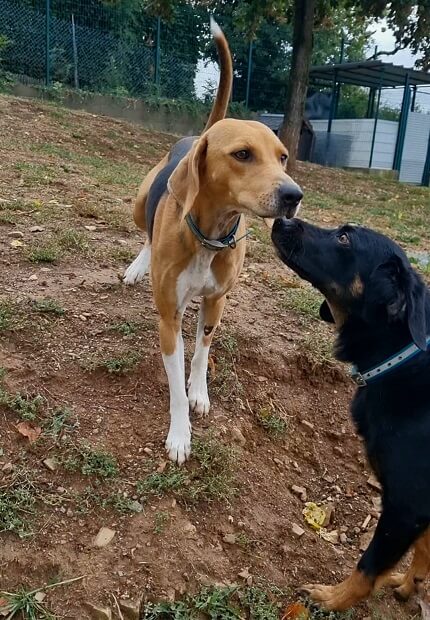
(289, 133)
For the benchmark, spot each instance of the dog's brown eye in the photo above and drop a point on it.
(343, 239)
(242, 155)
(284, 159)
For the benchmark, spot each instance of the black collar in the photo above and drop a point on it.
(229, 241)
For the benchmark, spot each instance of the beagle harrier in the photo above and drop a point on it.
(191, 207)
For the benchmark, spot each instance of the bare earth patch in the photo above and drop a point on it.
(83, 395)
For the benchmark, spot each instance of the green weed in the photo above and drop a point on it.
(47, 253)
(268, 417)
(48, 306)
(17, 505)
(210, 477)
(161, 520)
(26, 407)
(91, 461)
(7, 314)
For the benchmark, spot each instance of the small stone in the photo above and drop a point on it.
(230, 539)
(136, 506)
(365, 540)
(329, 514)
(35, 229)
(343, 538)
(61, 490)
(377, 503)
(262, 379)
(33, 277)
(8, 468)
(366, 522)
(99, 613)
(69, 513)
(300, 491)
(82, 317)
(50, 464)
(297, 530)
(162, 466)
(104, 537)
(190, 529)
(245, 574)
(40, 597)
(237, 436)
(278, 462)
(15, 234)
(338, 450)
(373, 482)
(91, 228)
(147, 450)
(308, 425)
(332, 537)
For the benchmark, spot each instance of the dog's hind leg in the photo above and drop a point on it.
(138, 268)
(405, 584)
(394, 534)
(209, 317)
(178, 442)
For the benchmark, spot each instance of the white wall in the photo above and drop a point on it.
(415, 148)
(360, 131)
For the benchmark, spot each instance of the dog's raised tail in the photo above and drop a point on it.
(222, 98)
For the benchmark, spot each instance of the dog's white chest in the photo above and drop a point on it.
(196, 279)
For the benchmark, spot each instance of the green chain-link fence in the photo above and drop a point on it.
(113, 47)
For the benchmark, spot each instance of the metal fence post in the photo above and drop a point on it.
(248, 79)
(47, 44)
(75, 53)
(157, 53)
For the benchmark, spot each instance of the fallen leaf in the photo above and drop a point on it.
(16, 243)
(26, 429)
(296, 611)
(314, 515)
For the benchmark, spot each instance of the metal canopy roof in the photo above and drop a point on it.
(369, 73)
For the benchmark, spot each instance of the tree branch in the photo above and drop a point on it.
(398, 48)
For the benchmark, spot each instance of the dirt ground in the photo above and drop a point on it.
(82, 375)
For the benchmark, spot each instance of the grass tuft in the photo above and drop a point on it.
(47, 253)
(48, 306)
(26, 407)
(91, 461)
(209, 477)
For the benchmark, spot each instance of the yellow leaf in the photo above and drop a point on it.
(314, 515)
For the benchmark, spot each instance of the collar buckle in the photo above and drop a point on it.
(358, 378)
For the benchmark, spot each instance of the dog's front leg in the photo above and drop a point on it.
(209, 317)
(178, 443)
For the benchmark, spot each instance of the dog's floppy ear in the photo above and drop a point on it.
(325, 312)
(184, 182)
(395, 286)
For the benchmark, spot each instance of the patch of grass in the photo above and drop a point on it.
(17, 505)
(162, 518)
(218, 603)
(91, 461)
(304, 300)
(209, 477)
(122, 254)
(7, 218)
(125, 328)
(121, 365)
(59, 422)
(25, 604)
(34, 174)
(25, 406)
(48, 306)
(7, 313)
(72, 240)
(268, 417)
(43, 253)
(319, 346)
(173, 479)
(87, 210)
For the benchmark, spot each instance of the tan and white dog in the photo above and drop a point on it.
(190, 205)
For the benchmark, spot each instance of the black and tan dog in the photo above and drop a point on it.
(381, 308)
(191, 207)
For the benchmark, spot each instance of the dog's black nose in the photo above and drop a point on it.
(290, 196)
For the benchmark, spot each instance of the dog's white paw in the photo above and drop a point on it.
(198, 396)
(138, 268)
(178, 444)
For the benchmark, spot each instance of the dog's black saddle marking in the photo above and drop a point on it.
(159, 186)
